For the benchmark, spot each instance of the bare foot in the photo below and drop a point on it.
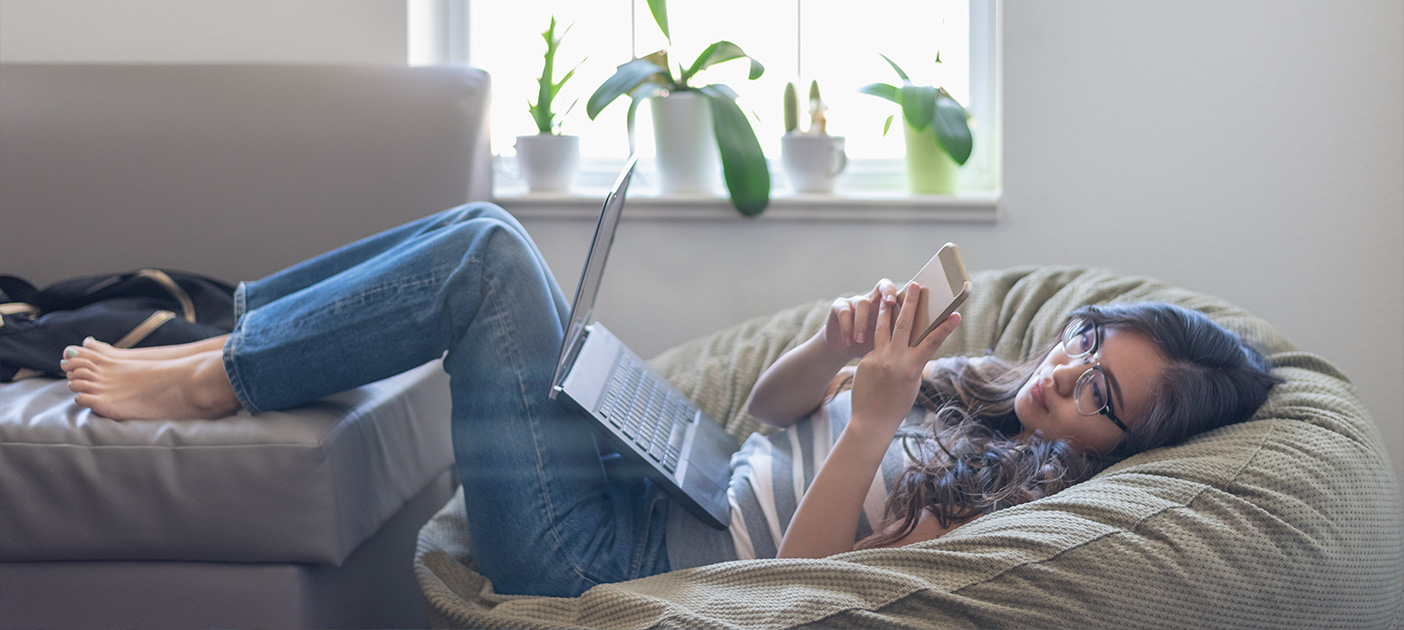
(156, 352)
(189, 387)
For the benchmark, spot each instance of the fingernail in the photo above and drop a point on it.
(63, 362)
(70, 352)
(87, 339)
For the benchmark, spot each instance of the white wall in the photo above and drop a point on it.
(203, 31)
(1252, 150)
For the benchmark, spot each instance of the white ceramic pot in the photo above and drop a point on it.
(548, 162)
(812, 162)
(688, 161)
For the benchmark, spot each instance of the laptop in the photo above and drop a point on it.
(681, 448)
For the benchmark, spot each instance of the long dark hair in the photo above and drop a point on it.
(968, 462)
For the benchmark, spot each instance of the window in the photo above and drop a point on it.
(796, 40)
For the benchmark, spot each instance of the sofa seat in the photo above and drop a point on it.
(306, 485)
(212, 503)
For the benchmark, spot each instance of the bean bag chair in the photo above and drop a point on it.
(1289, 520)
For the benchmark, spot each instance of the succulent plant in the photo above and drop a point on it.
(546, 121)
(817, 122)
(791, 109)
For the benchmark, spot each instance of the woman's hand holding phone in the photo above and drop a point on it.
(889, 376)
(852, 321)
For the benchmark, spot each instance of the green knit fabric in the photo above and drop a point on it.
(1289, 520)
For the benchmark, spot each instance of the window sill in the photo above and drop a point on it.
(974, 207)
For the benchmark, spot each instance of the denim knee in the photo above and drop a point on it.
(477, 210)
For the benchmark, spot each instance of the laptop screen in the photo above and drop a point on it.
(589, 288)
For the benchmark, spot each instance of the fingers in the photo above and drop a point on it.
(852, 320)
(933, 341)
(884, 290)
(902, 329)
(882, 334)
(841, 320)
(862, 312)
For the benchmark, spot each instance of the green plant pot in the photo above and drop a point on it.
(930, 170)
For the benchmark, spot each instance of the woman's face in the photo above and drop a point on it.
(1045, 404)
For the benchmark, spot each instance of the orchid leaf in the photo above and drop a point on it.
(918, 105)
(659, 9)
(883, 90)
(724, 89)
(660, 58)
(625, 80)
(900, 73)
(743, 163)
(717, 53)
(952, 128)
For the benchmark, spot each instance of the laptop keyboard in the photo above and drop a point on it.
(647, 412)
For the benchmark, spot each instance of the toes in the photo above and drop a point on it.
(83, 386)
(82, 374)
(96, 346)
(80, 363)
(87, 401)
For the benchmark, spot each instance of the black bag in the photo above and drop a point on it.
(147, 307)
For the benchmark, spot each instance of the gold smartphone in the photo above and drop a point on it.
(945, 285)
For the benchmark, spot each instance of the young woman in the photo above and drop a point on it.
(552, 513)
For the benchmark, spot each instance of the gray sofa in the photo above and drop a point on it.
(297, 519)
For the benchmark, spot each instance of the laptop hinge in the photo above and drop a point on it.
(577, 334)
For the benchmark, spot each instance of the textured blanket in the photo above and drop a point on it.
(1289, 520)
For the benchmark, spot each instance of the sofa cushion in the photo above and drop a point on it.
(1291, 519)
(306, 485)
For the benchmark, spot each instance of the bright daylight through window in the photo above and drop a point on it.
(838, 44)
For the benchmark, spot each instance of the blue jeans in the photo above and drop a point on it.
(549, 512)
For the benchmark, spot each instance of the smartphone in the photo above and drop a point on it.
(944, 286)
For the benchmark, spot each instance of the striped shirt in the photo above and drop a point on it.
(768, 476)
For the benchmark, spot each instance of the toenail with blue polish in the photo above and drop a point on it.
(70, 352)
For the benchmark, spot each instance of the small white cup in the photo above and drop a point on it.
(812, 162)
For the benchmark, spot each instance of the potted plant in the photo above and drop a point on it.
(937, 131)
(693, 125)
(812, 158)
(549, 160)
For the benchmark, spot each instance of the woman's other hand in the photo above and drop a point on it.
(889, 376)
(852, 320)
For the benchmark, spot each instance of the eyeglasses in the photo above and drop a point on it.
(1082, 338)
